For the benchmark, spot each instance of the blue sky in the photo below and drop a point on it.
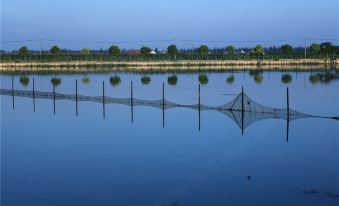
(134, 22)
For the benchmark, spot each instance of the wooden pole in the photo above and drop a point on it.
(54, 98)
(33, 95)
(76, 97)
(163, 104)
(288, 113)
(132, 101)
(13, 92)
(199, 107)
(242, 110)
(103, 99)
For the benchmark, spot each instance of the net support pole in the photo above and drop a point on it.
(33, 95)
(13, 92)
(76, 97)
(163, 104)
(132, 101)
(287, 114)
(199, 106)
(103, 99)
(54, 98)
(242, 110)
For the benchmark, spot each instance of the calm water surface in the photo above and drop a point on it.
(51, 156)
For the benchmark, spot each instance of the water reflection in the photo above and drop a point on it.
(56, 81)
(230, 79)
(324, 77)
(145, 80)
(203, 79)
(286, 78)
(85, 80)
(172, 80)
(115, 80)
(257, 76)
(24, 80)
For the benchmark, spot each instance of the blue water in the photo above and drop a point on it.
(64, 159)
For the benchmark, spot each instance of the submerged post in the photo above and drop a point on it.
(242, 110)
(76, 97)
(132, 101)
(163, 104)
(199, 107)
(103, 99)
(33, 96)
(13, 92)
(287, 113)
(54, 98)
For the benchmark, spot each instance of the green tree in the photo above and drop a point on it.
(230, 79)
(326, 47)
(24, 81)
(85, 51)
(115, 81)
(258, 78)
(145, 50)
(23, 51)
(114, 50)
(145, 80)
(172, 80)
(172, 49)
(55, 50)
(315, 48)
(230, 49)
(286, 49)
(259, 50)
(286, 78)
(203, 50)
(56, 81)
(203, 79)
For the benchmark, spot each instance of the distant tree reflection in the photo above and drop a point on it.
(115, 81)
(24, 81)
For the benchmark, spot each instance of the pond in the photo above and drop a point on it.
(161, 139)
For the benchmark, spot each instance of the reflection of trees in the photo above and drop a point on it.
(203, 79)
(24, 81)
(230, 79)
(56, 81)
(172, 80)
(145, 80)
(85, 80)
(286, 78)
(314, 79)
(324, 77)
(257, 76)
(115, 81)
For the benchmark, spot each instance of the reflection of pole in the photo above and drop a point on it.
(103, 99)
(242, 110)
(288, 113)
(76, 97)
(33, 96)
(54, 98)
(132, 101)
(163, 104)
(199, 107)
(13, 92)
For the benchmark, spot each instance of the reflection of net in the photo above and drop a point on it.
(242, 109)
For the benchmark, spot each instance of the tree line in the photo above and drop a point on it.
(325, 48)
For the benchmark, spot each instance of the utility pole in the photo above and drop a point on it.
(305, 48)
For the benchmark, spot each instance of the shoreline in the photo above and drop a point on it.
(196, 65)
